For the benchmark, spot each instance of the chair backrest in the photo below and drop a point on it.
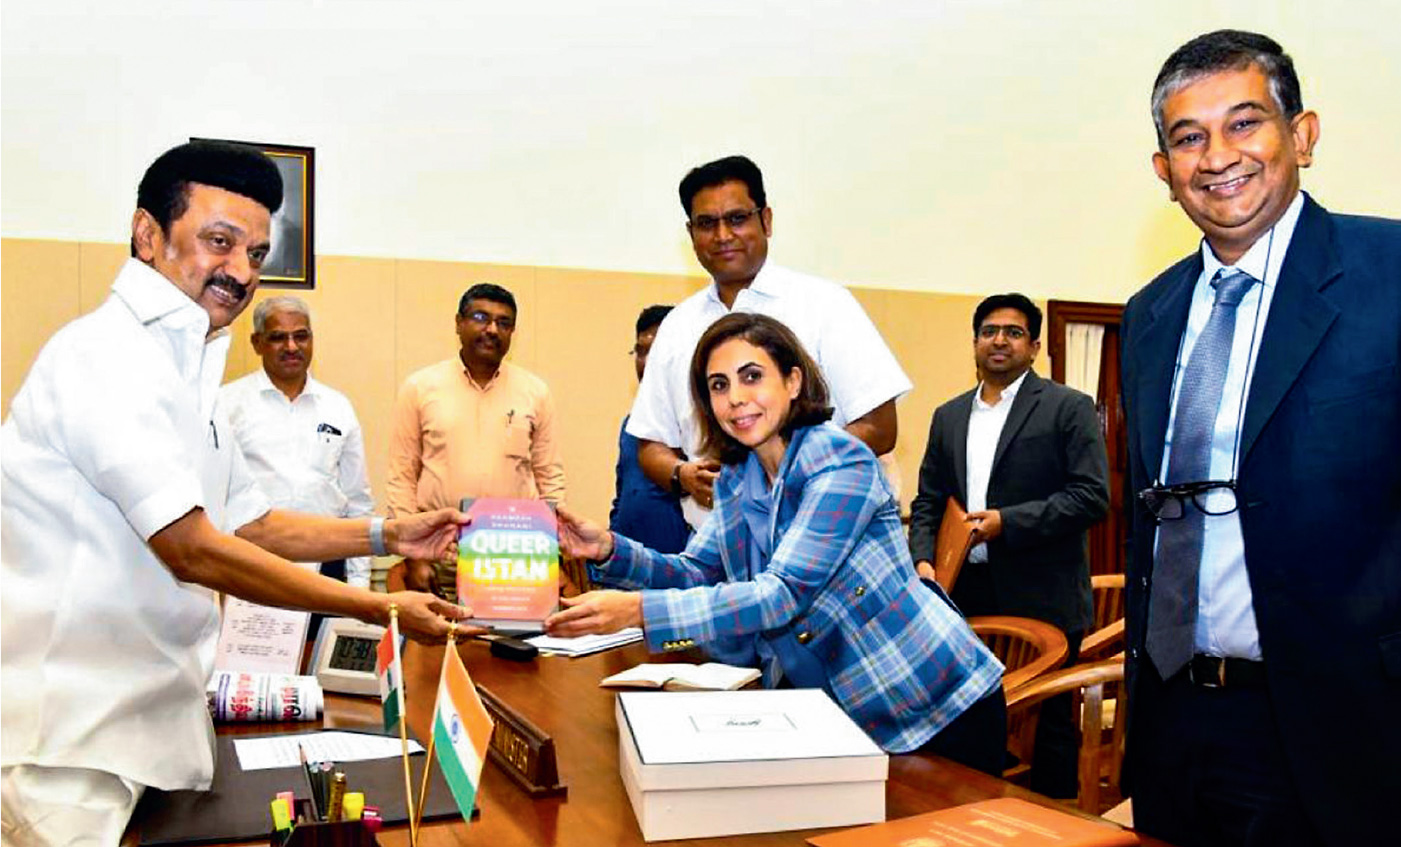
(1028, 648)
(1092, 685)
(1106, 636)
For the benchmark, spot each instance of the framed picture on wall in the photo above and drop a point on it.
(292, 262)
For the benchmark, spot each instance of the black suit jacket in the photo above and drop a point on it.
(1050, 480)
(1320, 508)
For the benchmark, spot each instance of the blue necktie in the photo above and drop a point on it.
(1172, 602)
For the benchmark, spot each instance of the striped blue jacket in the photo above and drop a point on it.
(898, 659)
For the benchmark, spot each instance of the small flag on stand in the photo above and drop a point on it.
(391, 676)
(461, 733)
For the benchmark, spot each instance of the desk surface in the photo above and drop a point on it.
(562, 697)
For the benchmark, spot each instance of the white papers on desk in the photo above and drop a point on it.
(280, 751)
(585, 644)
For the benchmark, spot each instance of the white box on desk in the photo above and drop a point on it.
(711, 763)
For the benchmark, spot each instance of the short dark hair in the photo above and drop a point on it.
(1020, 302)
(1227, 50)
(809, 409)
(486, 291)
(719, 172)
(651, 316)
(164, 191)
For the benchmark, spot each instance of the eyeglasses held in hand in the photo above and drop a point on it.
(1169, 502)
(710, 223)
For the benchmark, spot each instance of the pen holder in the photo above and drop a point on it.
(326, 833)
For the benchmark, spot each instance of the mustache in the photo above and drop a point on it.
(228, 282)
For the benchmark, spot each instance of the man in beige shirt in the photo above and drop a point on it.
(472, 426)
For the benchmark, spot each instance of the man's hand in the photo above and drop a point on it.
(583, 539)
(698, 480)
(925, 569)
(596, 613)
(986, 525)
(426, 535)
(428, 619)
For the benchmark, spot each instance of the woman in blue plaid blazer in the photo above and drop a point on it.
(802, 569)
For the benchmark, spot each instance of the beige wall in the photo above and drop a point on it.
(377, 320)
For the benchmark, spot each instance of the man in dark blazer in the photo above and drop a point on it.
(1026, 457)
(1265, 657)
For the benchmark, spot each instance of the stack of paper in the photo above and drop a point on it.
(711, 676)
(585, 644)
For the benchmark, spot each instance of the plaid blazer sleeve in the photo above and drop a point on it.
(635, 566)
(838, 496)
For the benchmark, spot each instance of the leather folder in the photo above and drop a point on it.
(954, 541)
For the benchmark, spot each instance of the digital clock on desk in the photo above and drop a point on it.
(343, 659)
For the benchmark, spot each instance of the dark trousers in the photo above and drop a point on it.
(1055, 761)
(1210, 769)
(977, 738)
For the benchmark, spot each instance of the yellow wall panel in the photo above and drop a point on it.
(40, 295)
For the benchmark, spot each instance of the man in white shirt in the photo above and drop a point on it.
(128, 506)
(1025, 456)
(730, 222)
(301, 438)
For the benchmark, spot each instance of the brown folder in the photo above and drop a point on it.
(1004, 822)
(954, 541)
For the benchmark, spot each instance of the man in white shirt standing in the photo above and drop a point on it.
(128, 506)
(301, 438)
(730, 222)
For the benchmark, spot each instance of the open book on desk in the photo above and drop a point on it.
(711, 676)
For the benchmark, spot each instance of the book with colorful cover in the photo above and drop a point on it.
(1004, 822)
(508, 563)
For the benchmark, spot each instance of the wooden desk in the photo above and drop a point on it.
(562, 697)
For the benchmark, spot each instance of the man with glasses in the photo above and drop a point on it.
(472, 426)
(730, 222)
(1262, 388)
(1025, 456)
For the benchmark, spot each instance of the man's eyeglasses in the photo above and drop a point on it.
(988, 332)
(504, 323)
(1169, 502)
(710, 223)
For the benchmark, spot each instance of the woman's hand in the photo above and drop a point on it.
(596, 613)
(583, 539)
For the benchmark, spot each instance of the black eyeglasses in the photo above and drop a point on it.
(1169, 502)
(504, 323)
(1013, 332)
(710, 223)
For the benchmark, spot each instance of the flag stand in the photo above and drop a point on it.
(433, 736)
(403, 726)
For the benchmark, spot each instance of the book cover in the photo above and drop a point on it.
(1004, 822)
(508, 563)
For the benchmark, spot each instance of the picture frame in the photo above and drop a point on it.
(292, 262)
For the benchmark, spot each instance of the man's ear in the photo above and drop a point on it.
(1160, 167)
(766, 218)
(146, 235)
(1305, 129)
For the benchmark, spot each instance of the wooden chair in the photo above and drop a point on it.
(1106, 638)
(1028, 648)
(1101, 749)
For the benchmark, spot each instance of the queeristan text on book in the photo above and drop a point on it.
(508, 563)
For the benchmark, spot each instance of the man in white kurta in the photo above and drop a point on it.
(122, 483)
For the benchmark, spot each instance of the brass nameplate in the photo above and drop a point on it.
(522, 749)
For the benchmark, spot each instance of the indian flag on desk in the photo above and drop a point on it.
(390, 671)
(461, 732)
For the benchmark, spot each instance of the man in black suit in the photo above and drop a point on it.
(1025, 456)
(1262, 386)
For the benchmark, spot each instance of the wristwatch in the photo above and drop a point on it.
(676, 480)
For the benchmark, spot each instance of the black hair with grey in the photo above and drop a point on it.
(164, 191)
(283, 303)
(1227, 50)
(719, 172)
(486, 291)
